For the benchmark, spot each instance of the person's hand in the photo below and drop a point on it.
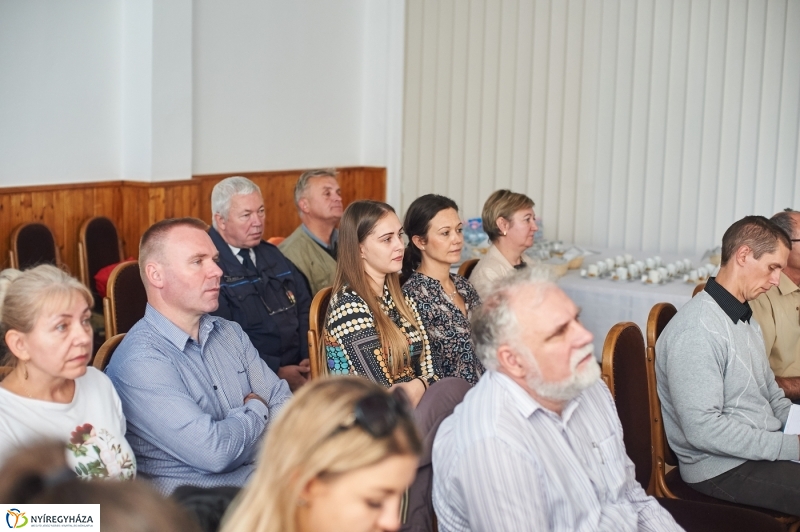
(256, 397)
(295, 376)
(414, 391)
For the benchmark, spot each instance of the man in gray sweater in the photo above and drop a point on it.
(723, 411)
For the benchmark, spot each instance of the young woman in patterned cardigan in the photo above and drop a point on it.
(372, 329)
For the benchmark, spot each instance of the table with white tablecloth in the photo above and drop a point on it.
(605, 302)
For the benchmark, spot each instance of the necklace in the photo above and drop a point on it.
(452, 296)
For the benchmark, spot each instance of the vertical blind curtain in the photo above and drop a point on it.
(649, 124)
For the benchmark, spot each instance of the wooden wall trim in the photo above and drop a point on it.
(135, 205)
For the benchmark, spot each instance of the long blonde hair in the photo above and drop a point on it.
(305, 443)
(358, 222)
(24, 294)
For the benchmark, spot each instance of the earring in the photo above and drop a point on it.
(423, 248)
(505, 234)
(24, 372)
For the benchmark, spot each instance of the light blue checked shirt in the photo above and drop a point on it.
(503, 462)
(184, 401)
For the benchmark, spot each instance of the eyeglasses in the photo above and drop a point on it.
(378, 413)
(289, 296)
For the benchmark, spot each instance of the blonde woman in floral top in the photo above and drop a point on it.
(50, 392)
(371, 328)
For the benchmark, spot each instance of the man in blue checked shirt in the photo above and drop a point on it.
(196, 395)
(537, 443)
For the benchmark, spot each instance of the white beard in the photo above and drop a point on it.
(570, 387)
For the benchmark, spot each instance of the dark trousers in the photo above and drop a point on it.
(773, 485)
(701, 517)
(436, 404)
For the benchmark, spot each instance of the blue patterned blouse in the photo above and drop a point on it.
(447, 327)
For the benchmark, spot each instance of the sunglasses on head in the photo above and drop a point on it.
(378, 413)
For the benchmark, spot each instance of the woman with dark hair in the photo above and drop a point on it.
(371, 328)
(444, 300)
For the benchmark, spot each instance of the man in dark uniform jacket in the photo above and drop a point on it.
(260, 289)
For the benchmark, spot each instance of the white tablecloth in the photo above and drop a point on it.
(604, 302)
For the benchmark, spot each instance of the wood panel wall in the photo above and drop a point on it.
(134, 206)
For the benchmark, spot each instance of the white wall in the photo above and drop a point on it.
(151, 90)
(59, 91)
(278, 85)
(649, 124)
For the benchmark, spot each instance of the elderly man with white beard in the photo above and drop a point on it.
(537, 444)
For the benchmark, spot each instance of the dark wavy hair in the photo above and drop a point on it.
(417, 223)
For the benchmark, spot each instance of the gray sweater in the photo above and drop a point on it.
(720, 403)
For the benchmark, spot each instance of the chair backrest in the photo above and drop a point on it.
(276, 240)
(465, 270)
(625, 373)
(659, 317)
(126, 300)
(699, 288)
(317, 358)
(98, 246)
(103, 356)
(32, 244)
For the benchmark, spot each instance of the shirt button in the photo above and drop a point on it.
(265, 417)
(215, 387)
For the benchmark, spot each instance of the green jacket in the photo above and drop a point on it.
(309, 257)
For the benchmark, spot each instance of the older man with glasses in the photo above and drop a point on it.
(261, 290)
(778, 313)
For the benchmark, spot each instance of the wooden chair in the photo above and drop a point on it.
(32, 244)
(126, 300)
(316, 328)
(625, 373)
(99, 246)
(698, 288)
(276, 240)
(669, 484)
(465, 270)
(103, 356)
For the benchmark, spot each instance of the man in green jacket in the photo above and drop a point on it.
(312, 246)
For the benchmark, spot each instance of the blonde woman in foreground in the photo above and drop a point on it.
(338, 458)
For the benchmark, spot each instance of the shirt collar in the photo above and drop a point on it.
(334, 237)
(522, 400)
(735, 309)
(786, 286)
(174, 334)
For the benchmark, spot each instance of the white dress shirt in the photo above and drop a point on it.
(503, 462)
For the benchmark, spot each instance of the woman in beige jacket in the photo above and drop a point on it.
(509, 220)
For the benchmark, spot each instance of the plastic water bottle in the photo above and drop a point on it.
(473, 232)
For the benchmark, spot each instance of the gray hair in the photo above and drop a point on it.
(785, 221)
(494, 323)
(225, 190)
(302, 182)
